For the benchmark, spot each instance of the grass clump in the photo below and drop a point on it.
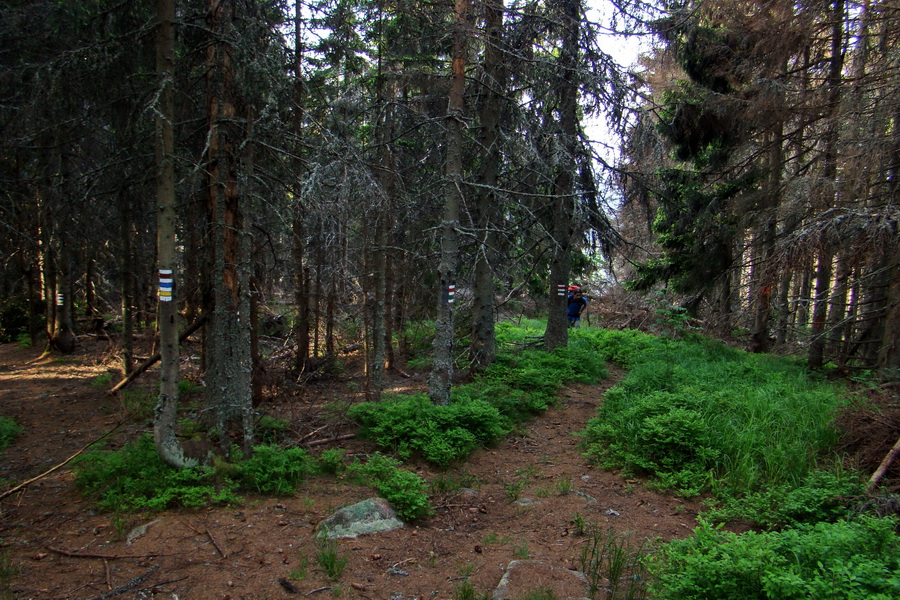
(613, 564)
(699, 416)
(331, 561)
(9, 431)
(840, 561)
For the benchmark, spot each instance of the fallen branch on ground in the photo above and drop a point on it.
(103, 556)
(127, 587)
(883, 467)
(339, 438)
(59, 466)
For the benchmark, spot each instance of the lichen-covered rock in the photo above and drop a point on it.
(369, 516)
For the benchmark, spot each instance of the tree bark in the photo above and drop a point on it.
(126, 287)
(829, 171)
(229, 368)
(301, 289)
(483, 340)
(557, 333)
(165, 416)
(440, 379)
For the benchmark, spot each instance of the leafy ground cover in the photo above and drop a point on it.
(531, 496)
(694, 416)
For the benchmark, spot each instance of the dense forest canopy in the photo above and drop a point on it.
(338, 169)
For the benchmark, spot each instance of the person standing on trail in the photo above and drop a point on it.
(576, 306)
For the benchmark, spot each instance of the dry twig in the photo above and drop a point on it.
(59, 466)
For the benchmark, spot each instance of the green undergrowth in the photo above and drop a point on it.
(698, 416)
(846, 560)
(134, 478)
(517, 386)
(9, 431)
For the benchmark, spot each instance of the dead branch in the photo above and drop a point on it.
(313, 432)
(883, 467)
(153, 359)
(128, 586)
(211, 539)
(216, 544)
(348, 436)
(59, 466)
(103, 556)
(317, 590)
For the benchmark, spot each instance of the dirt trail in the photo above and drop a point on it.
(524, 500)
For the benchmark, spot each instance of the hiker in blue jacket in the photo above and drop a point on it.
(577, 304)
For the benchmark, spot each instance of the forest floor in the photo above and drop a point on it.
(526, 500)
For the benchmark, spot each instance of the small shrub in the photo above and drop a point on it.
(273, 470)
(694, 414)
(841, 561)
(186, 388)
(332, 461)
(9, 431)
(404, 490)
(440, 434)
(821, 496)
(134, 478)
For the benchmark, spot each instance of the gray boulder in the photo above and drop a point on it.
(369, 516)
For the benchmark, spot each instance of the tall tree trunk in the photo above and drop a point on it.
(90, 296)
(378, 251)
(165, 417)
(229, 367)
(301, 290)
(804, 296)
(126, 288)
(762, 282)
(765, 275)
(829, 173)
(562, 229)
(820, 308)
(440, 380)
(64, 331)
(837, 312)
(483, 342)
